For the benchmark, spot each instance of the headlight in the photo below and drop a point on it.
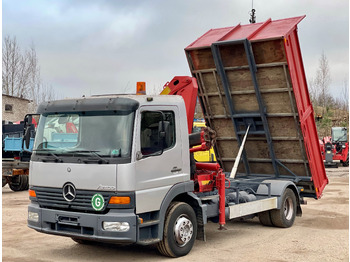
(343, 146)
(33, 216)
(116, 226)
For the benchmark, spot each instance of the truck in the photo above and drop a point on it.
(15, 156)
(335, 148)
(128, 174)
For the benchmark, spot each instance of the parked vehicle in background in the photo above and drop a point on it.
(335, 148)
(16, 156)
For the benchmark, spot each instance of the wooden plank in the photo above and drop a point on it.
(268, 78)
(233, 55)
(210, 82)
(282, 126)
(202, 59)
(224, 127)
(269, 51)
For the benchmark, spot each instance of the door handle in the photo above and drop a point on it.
(176, 169)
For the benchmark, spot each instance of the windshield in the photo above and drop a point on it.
(97, 134)
(339, 134)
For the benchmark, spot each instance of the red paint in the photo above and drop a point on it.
(305, 110)
(186, 87)
(220, 184)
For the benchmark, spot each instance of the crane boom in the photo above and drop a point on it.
(186, 87)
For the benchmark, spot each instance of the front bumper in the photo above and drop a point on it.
(84, 225)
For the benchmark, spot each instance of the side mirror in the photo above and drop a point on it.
(163, 131)
(28, 122)
(28, 119)
(27, 138)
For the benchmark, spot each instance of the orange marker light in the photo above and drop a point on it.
(119, 200)
(140, 88)
(32, 193)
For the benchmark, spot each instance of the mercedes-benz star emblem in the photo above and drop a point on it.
(69, 192)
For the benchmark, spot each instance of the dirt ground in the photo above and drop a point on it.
(321, 234)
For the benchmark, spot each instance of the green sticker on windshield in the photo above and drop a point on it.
(97, 202)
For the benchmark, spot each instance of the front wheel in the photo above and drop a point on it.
(180, 230)
(285, 216)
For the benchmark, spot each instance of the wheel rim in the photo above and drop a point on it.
(288, 208)
(183, 230)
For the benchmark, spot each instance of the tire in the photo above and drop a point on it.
(265, 218)
(346, 163)
(25, 182)
(16, 183)
(180, 217)
(285, 216)
(4, 181)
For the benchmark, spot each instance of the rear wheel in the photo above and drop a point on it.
(17, 183)
(285, 216)
(180, 230)
(265, 218)
(4, 181)
(25, 183)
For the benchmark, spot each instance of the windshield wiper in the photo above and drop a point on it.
(55, 159)
(92, 152)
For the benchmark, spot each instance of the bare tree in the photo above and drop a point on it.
(345, 96)
(323, 81)
(21, 73)
(11, 60)
(314, 94)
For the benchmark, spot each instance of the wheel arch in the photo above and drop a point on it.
(183, 193)
(278, 187)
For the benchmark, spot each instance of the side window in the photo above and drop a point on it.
(150, 140)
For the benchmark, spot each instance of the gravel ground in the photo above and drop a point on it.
(321, 234)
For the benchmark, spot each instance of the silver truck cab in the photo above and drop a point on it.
(102, 168)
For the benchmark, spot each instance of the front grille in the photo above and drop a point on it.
(53, 198)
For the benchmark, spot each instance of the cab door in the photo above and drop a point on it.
(159, 162)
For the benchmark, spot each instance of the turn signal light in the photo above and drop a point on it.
(119, 200)
(32, 193)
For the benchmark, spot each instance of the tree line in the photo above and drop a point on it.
(21, 73)
(330, 111)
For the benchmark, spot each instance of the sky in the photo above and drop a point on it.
(90, 47)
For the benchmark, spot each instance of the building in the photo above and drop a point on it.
(14, 108)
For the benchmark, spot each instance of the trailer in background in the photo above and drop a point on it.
(16, 156)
